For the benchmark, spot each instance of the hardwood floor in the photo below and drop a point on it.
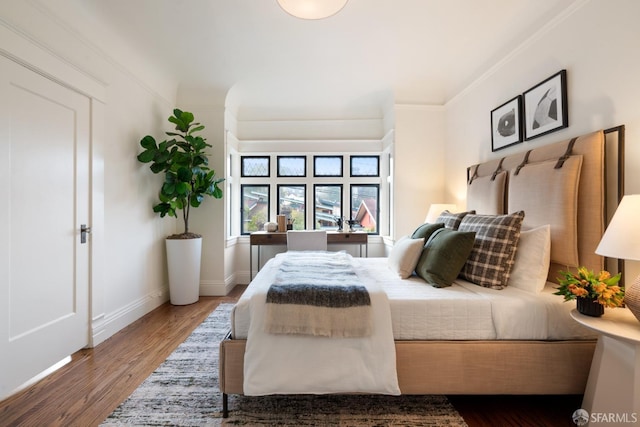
(86, 390)
(520, 411)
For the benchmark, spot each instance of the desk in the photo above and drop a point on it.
(266, 238)
(614, 379)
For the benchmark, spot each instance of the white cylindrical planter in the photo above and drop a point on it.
(183, 259)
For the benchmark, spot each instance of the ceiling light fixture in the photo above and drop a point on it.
(312, 9)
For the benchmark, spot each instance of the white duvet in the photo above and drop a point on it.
(463, 311)
(290, 364)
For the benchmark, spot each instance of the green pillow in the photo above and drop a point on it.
(426, 230)
(444, 255)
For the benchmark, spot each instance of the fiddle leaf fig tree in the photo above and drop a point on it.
(187, 176)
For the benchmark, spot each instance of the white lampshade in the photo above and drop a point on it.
(622, 237)
(312, 9)
(436, 209)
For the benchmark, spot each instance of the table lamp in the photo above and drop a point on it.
(436, 209)
(621, 240)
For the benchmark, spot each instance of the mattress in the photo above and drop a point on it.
(463, 311)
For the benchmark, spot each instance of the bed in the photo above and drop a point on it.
(471, 339)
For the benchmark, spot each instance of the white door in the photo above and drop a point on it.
(44, 180)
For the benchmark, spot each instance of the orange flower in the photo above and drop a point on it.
(600, 287)
(579, 292)
(583, 283)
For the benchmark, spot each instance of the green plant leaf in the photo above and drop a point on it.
(180, 124)
(146, 156)
(163, 209)
(148, 142)
(157, 167)
(200, 159)
(196, 200)
(163, 157)
(196, 129)
(182, 188)
(169, 188)
(186, 117)
(184, 174)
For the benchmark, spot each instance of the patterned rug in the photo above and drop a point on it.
(183, 391)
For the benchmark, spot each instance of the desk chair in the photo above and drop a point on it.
(306, 240)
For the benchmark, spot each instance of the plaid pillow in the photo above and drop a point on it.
(452, 220)
(494, 250)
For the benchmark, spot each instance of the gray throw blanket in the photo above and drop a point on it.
(318, 293)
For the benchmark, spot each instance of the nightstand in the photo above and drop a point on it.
(614, 379)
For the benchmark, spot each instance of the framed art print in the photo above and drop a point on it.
(506, 126)
(545, 106)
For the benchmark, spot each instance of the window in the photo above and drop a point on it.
(365, 206)
(255, 207)
(313, 191)
(327, 166)
(327, 206)
(292, 204)
(365, 166)
(255, 166)
(292, 166)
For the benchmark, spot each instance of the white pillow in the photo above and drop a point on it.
(405, 255)
(531, 266)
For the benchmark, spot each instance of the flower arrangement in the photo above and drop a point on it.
(601, 287)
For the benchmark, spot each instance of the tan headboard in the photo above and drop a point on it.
(562, 184)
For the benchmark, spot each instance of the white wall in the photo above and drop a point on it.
(419, 151)
(129, 273)
(210, 219)
(597, 43)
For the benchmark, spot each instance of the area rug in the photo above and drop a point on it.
(184, 391)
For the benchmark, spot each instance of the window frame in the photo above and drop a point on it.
(278, 207)
(377, 213)
(300, 156)
(315, 204)
(352, 175)
(243, 186)
(328, 156)
(243, 158)
(235, 224)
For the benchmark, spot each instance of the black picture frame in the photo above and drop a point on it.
(545, 106)
(506, 124)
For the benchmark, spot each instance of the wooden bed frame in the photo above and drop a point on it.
(504, 366)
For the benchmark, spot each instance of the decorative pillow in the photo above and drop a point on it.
(491, 259)
(426, 230)
(452, 220)
(531, 266)
(444, 255)
(404, 256)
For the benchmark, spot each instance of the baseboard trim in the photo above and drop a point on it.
(107, 325)
(213, 288)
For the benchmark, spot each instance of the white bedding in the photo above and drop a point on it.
(463, 311)
(291, 363)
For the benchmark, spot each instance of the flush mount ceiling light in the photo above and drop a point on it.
(312, 9)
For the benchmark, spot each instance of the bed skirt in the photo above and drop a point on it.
(464, 367)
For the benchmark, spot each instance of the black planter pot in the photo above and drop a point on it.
(589, 307)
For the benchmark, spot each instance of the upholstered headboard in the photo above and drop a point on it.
(563, 184)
